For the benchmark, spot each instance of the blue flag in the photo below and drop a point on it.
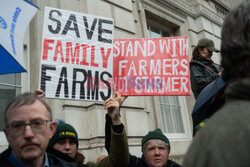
(15, 16)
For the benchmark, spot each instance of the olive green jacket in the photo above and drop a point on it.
(119, 154)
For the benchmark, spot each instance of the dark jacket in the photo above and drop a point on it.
(119, 155)
(140, 162)
(202, 73)
(53, 160)
(225, 139)
(210, 100)
(79, 160)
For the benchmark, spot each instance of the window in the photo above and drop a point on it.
(174, 116)
(154, 32)
(10, 86)
(173, 111)
(171, 114)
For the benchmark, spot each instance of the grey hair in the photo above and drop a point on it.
(25, 99)
(235, 43)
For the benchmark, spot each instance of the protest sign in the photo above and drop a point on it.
(153, 66)
(76, 57)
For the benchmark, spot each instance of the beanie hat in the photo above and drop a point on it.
(155, 134)
(64, 130)
(207, 43)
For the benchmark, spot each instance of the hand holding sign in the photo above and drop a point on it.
(112, 106)
(39, 93)
(118, 97)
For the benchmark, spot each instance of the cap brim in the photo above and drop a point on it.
(212, 49)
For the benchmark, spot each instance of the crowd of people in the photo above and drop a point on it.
(36, 140)
(224, 141)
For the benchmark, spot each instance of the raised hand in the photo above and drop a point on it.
(40, 94)
(118, 97)
(112, 106)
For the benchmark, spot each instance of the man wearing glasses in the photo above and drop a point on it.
(28, 127)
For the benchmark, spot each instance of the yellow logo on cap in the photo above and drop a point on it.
(67, 133)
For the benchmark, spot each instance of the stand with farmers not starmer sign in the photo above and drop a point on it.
(152, 66)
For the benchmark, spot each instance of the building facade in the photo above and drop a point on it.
(132, 19)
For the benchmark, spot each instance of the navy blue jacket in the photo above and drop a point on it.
(53, 160)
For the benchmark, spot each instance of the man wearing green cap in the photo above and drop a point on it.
(202, 69)
(155, 148)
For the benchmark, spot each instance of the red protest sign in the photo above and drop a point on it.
(151, 66)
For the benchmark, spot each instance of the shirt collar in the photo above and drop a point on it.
(16, 162)
(46, 164)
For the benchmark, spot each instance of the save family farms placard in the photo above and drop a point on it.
(76, 57)
(152, 66)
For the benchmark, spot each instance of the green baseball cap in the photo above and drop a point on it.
(207, 43)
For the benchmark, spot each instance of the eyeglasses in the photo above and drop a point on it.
(17, 128)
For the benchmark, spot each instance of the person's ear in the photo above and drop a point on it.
(52, 128)
(7, 134)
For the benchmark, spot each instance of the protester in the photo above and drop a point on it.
(202, 69)
(155, 146)
(156, 149)
(28, 127)
(225, 140)
(65, 140)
